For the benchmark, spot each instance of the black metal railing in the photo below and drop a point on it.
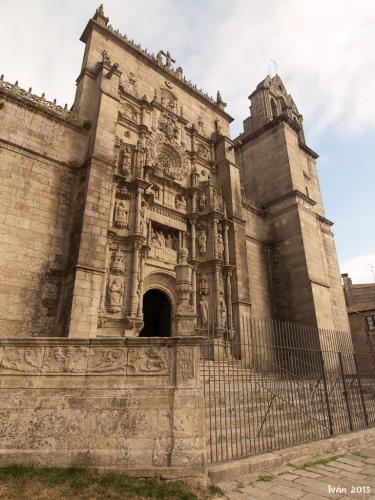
(280, 384)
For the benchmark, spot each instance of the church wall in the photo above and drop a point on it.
(136, 404)
(38, 163)
(257, 252)
(263, 162)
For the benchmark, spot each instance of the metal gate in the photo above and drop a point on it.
(276, 387)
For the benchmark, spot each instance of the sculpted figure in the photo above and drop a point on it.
(126, 161)
(115, 294)
(202, 242)
(121, 214)
(203, 200)
(203, 285)
(223, 313)
(220, 246)
(203, 305)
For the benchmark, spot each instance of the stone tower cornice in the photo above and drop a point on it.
(100, 23)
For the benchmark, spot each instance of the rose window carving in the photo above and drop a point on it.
(164, 163)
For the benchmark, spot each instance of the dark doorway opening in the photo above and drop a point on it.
(156, 315)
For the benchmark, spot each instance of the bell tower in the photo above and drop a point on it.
(278, 172)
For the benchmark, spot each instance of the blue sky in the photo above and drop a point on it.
(325, 51)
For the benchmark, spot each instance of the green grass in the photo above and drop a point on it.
(322, 461)
(71, 482)
(215, 490)
(266, 478)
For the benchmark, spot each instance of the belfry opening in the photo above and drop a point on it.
(156, 314)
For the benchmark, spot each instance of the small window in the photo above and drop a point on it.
(371, 322)
(282, 104)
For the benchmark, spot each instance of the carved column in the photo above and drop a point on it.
(228, 286)
(194, 273)
(105, 278)
(134, 280)
(141, 281)
(226, 243)
(138, 207)
(214, 238)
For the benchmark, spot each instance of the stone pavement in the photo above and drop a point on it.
(350, 475)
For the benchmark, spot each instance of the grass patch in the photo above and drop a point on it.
(322, 461)
(215, 490)
(266, 478)
(66, 483)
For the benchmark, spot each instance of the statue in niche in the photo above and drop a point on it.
(126, 161)
(220, 246)
(157, 192)
(169, 241)
(121, 214)
(203, 306)
(203, 285)
(220, 283)
(203, 200)
(180, 202)
(202, 242)
(223, 313)
(115, 295)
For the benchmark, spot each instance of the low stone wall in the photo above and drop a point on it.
(133, 403)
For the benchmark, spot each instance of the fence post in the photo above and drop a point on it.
(345, 391)
(326, 393)
(360, 389)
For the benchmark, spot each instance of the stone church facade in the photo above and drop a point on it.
(136, 200)
(131, 227)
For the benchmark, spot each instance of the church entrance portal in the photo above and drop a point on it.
(156, 314)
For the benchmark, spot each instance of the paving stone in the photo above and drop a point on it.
(350, 461)
(289, 476)
(345, 467)
(314, 486)
(287, 491)
(306, 473)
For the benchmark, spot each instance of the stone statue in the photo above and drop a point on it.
(121, 214)
(220, 283)
(203, 306)
(126, 161)
(220, 246)
(203, 288)
(223, 313)
(118, 264)
(202, 242)
(159, 57)
(115, 295)
(203, 200)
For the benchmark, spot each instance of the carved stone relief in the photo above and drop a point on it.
(203, 152)
(180, 202)
(21, 359)
(203, 285)
(106, 359)
(185, 364)
(121, 214)
(164, 243)
(148, 361)
(118, 262)
(220, 245)
(202, 242)
(223, 313)
(129, 85)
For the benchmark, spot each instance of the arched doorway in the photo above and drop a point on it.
(156, 314)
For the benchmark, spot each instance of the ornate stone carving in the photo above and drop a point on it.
(55, 359)
(203, 309)
(149, 360)
(203, 285)
(118, 262)
(115, 294)
(168, 125)
(21, 359)
(222, 313)
(129, 112)
(220, 245)
(220, 283)
(106, 359)
(129, 85)
(121, 214)
(202, 200)
(202, 242)
(180, 202)
(203, 152)
(185, 363)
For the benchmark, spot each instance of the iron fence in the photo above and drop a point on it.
(282, 384)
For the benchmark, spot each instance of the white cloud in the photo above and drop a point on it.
(359, 268)
(324, 49)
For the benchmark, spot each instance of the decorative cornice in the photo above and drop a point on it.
(40, 104)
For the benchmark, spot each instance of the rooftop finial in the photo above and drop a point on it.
(99, 16)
